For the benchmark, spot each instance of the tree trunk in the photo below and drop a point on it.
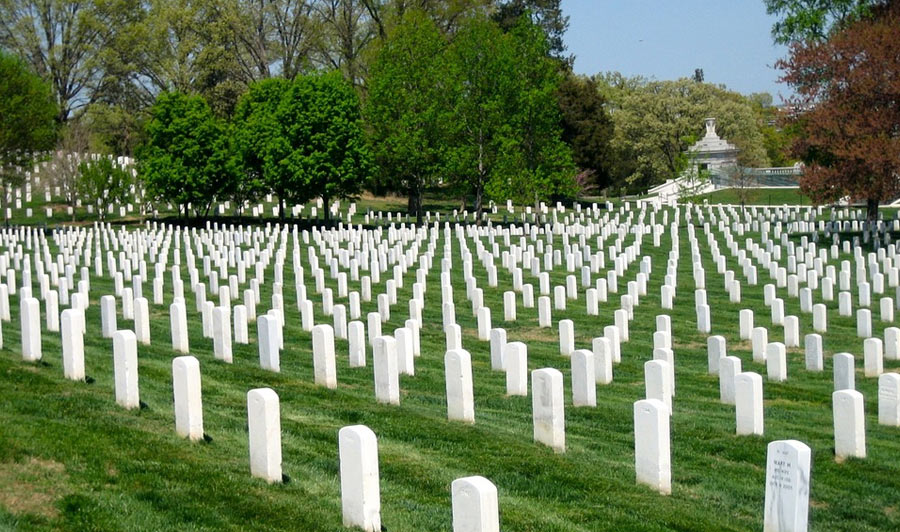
(5, 204)
(281, 206)
(411, 197)
(420, 192)
(479, 187)
(871, 209)
(479, 207)
(326, 211)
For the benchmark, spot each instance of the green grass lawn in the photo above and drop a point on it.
(756, 196)
(71, 459)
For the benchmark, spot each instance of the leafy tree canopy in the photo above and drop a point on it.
(27, 114)
(186, 159)
(407, 108)
(814, 19)
(847, 109)
(27, 121)
(655, 122)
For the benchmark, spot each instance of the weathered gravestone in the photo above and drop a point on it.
(547, 408)
(787, 486)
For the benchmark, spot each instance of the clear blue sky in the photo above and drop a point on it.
(667, 39)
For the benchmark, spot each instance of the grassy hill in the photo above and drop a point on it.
(71, 459)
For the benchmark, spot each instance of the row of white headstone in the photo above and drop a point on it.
(657, 371)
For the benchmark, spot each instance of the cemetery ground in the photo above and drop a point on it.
(756, 196)
(72, 459)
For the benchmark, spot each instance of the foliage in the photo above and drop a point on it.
(776, 138)
(66, 42)
(536, 164)
(482, 70)
(407, 108)
(27, 125)
(447, 15)
(815, 19)
(329, 157)
(586, 127)
(71, 150)
(546, 14)
(102, 183)
(113, 129)
(301, 139)
(848, 110)
(654, 122)
(262, 144)
(185, 159)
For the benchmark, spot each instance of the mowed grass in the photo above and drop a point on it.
(71, 459)
(756, 196)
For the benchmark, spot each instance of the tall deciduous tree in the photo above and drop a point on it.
(537, 163)
(262, 144)
(447, 15)
(185, 158)
(483, 72)
(587, 127)
(546, 14)
(657, 121)
(346, 33)
(329, 153)
(802, 20)
(27, 125)
(269, 38)
(102, 182)
(407, 107)
(848, 110)
(66, 42)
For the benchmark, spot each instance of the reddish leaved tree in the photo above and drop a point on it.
(847, 110)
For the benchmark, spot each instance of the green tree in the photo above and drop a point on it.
(302, 139)
(102, 182)
(847, 111)
(776, 138)
(803, 20)
(27, 125)
(172, 45)
(185, 157)
(536, 164)
(483, 73)
(66, 42)
(546, 14)
(655, 122)
(587, 127)
(447, 15)
(406, 109)
(114, 129)
(262, 144)
(329, 156)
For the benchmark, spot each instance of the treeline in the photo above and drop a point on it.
(231, 100)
